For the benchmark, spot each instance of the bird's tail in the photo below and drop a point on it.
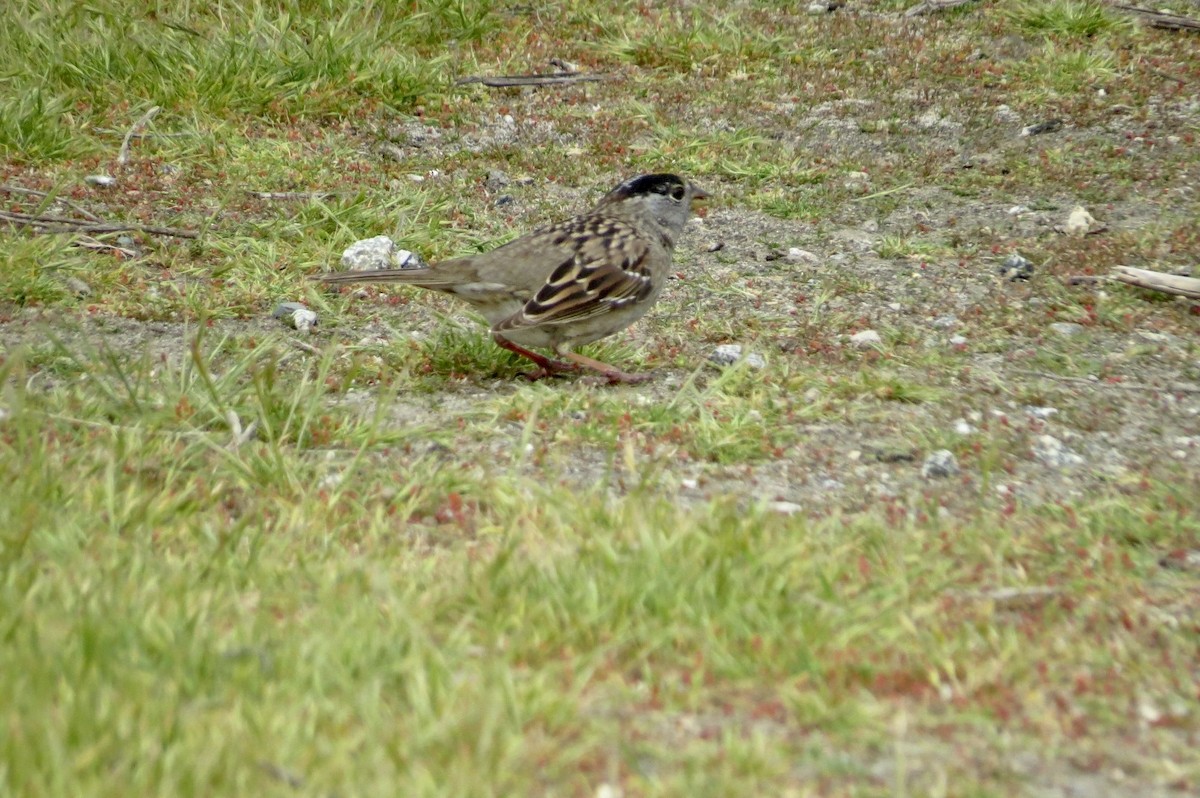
(422, 277)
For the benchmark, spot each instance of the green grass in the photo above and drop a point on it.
(1072, 18)
(212, 618)
(373, 560)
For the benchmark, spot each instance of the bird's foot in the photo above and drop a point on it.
(608, 375)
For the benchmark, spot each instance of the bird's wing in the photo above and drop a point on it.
(603, 274)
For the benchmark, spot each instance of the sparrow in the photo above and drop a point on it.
(570, 283)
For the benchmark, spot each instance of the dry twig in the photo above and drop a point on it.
(62, 224)
(34, 192)
(1160, 19)
(87, 242)
(123, 155)
(291, 195)
(502, 81)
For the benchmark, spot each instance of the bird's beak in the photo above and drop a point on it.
(699, 193)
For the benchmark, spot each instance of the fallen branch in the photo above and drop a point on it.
(123, 155)
(87, 242)
(1158, 281)
(1160, 19)
(1178, 387)
(61, 224)
(291, 195)
(503, 81)
(45, 194)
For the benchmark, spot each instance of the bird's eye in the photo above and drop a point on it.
(677, 193)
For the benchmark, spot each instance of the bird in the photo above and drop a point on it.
(567, 284)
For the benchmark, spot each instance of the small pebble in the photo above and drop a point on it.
(100, 181)
(295, 315)
(963, 427)
(797, 255)
(1016, 268)
(1041, 412)
(940, 464)
(787, 508)
(866, 338)
(958, 340)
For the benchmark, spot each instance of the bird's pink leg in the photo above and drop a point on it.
(613, 375)
(546, 366)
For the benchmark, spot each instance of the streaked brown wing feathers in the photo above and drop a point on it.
(590, 283)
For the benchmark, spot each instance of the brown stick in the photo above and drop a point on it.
(502, 81)
(291, 195)
(1160, 19)
(34, 192)
(61, 224)
(123, 155)
(86, 242)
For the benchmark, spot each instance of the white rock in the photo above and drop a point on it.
(369, 254)
(304, 319)
(1079, 222)
(939, 464)
(797, 255)
(726, 354)
(380, 252)
(961, 427)
(1040, 412)
(958, 340)
(787, 508)
(100, 181)
(866, 338)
